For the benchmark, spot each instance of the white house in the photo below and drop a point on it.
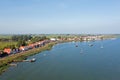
(52, 39)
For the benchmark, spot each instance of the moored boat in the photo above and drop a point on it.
(33, 60)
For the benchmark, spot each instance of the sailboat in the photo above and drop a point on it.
(90, 45)
(81, 50)
(102, 46)
(102, 42)
(76, 45)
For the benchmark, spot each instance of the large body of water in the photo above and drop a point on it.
(67, 62)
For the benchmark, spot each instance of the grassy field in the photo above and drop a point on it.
(5, 44)
(5, 36)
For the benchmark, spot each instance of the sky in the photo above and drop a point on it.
(59, 16)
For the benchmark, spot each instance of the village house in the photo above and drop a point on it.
(31, 46)
(53, 39)
(23, 48)
(7, 50)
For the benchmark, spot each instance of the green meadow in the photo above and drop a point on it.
(6, 44)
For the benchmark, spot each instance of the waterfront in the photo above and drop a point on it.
(66, 62)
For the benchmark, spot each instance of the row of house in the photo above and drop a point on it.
(9, 51)
(85, 38)
(79, 38)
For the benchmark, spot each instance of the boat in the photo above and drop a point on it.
(44, 54)
(76, 45)
(33, 60)
(81, 50)
(91, 45)
(101, 47)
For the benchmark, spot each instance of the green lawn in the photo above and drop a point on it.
(5, 36)
(5, 44)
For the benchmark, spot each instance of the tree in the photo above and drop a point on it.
(38, 38)
(21, 37)
(101, 37)
(59, 37)
(21, 43)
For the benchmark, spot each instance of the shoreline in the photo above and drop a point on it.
(4, 62)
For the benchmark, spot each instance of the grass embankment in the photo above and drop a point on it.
(4, 62)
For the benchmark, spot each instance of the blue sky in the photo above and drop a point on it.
(59, 16)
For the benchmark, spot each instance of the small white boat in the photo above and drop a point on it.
(81, 51)
(44, 54)
(76, 45)
(90, 45)
(30, 60)
(101, 47)
(33, 60)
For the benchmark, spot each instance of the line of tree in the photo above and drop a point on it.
(38, 38)
(21, 37)
(21, 40)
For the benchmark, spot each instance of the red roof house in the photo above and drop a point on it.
(7, 50)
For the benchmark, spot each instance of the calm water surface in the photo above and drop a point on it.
(67, 62)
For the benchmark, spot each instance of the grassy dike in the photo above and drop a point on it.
(4, 62)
